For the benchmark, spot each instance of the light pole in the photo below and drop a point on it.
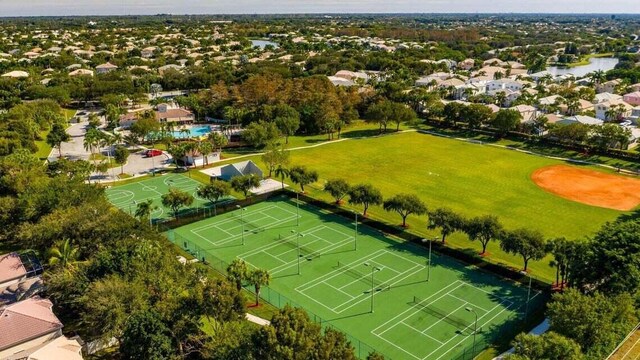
(298, 236)
(355, 236)
(297, 209)
(374, 269)
(526, 309)
(475, 328)
(241, 220)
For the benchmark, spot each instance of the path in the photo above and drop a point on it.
(257, 320)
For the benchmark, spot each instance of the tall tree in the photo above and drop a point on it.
(596, 322)
(506, 120)
(529, 244)
(57, 136)
(282, 172)
(302, 176)
(483, 229)
(365, 195)
(258, 278)
(447, 220)
(548, 346)
(244, 183)
(146, 337)
(176, 199)
(274, 157)
(237, 272)
(121, 155)
(144, 210)
(405, 205)
(338, 188)
(214, 191)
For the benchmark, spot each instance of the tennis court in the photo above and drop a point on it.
(379, 291)
(127, 197)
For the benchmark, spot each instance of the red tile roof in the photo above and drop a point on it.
(11, 267)
(26, 320)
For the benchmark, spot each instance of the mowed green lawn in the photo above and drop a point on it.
(471, 179)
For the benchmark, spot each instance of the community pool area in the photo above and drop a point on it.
(188, 131)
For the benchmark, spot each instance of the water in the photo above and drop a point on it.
(194, 131)
(604, 64)
(263, 43)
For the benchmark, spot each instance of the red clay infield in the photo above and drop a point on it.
(589, 187)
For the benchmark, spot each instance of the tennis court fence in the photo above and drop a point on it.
(267, 294)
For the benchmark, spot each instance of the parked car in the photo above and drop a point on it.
(152, 153)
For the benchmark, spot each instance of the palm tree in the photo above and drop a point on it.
(91, 140)
(63, 255)
(218, 140)
(144, 210)
(237, 272)
(281, 171)
(258, 278)
(107, 141)
(597, 77)
(205, 149)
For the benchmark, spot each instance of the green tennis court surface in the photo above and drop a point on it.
(128, 196)
(412, 318)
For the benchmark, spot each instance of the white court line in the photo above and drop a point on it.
(409, 309)
(321, 251)
(235, 217)
(364, 297)
(365, 277)
(418, 331)
(419, 310)
(232, 237)
(442, 319)
(463, 300)
(336, 272)
(346, 293)
(271, 245)
(466, 337)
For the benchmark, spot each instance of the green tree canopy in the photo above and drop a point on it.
(405, 205)
(365, 195)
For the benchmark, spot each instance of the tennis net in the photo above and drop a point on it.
(446, 316)
(359, 275)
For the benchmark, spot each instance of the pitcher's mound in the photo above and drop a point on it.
(589, 187)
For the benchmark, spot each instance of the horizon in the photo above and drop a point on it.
(44, 8)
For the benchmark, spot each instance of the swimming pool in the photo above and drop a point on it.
(188, 132)
(191, 131)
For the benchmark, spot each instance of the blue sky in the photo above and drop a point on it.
(128, 7)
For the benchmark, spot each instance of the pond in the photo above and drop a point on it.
(603, 63)
(263, 43)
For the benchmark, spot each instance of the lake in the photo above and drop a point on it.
(262, 43)
(603, 63)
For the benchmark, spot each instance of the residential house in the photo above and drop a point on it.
(105, 68)
(16, 74)
(581, 119)
(602, 109)
(494, 62)
(354, 76)
(147, 52)
(632, 98)
(602, 97)
(466, 64)
(165, 68)
(164, 114)
(81, 72)
(608, 87)
(503, 84)
(61, 348)
(529, 113)
(26, 325)
(339, 81)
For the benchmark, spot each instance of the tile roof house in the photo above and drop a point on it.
(61, 348)
(582, 119)
(105, 68)
(12, 271)
(632, 98)
(27, 324)
(16, 74)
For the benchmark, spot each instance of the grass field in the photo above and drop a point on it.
(127, 196)
(419, 312)
(469, 178)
